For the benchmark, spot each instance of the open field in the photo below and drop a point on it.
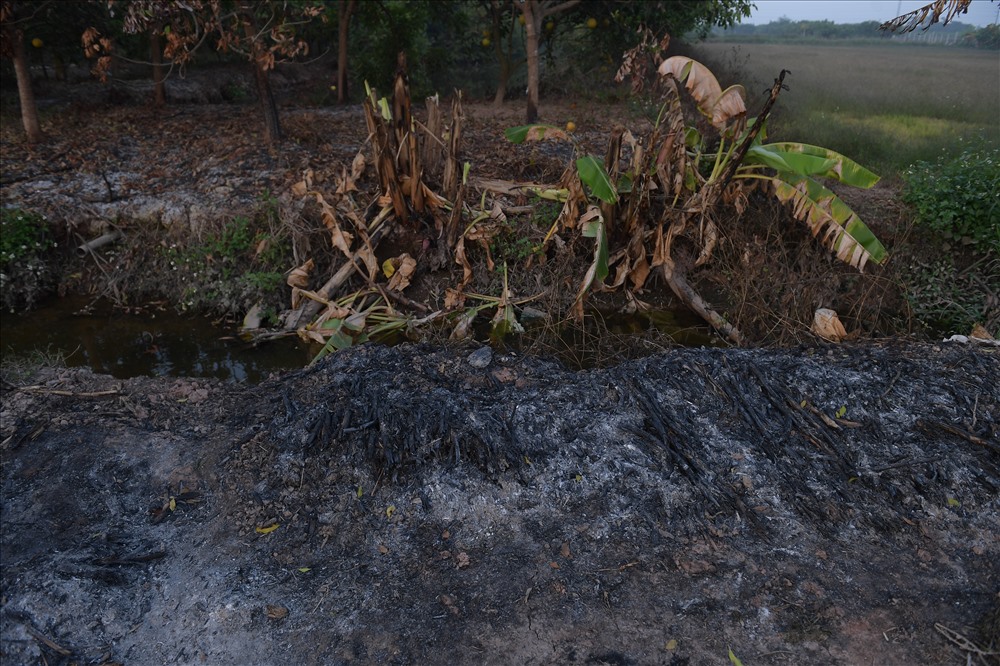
(886, 106)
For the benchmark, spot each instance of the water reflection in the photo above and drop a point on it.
(162, 343)
(157, 344)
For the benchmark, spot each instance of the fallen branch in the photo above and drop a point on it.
(309, 308)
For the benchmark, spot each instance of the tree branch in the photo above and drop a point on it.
(548, 11)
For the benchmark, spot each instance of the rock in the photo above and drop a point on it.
(481, 358)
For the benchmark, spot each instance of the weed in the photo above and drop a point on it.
(26, 274)
(21, 368)
(235, 92)
(234, 267)
(958, 198)
(945, 299)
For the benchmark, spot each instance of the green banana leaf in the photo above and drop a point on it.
(805, 165)
(592, 226)
(830, 219)
(842, 168)
(595, 229)
(593, 173)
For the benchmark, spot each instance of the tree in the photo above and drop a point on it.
(159, 76)
(262, 31)
(535, 12)
(504, 25)
(345, 8)
(12, 18)
(620, 21)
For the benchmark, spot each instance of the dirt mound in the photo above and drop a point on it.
(402, 505)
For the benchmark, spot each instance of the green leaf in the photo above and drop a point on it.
(592, 226)
(592, 173)
(830, 219)
(843, 168)
(734, 659)
(804, 165)
(383, 105)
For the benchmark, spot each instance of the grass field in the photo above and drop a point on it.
(885, 106)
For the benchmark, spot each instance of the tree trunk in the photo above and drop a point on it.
(29, 111)
(502, 83)
(344, 10)
(156, 53)
(533, 27)
(268, 107)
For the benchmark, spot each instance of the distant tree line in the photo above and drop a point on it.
(784, 29)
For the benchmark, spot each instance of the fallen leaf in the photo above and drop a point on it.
(453, 299)
(358, 166)
(671, 644)
(276, 612)
(461, 560)
(980, 333)
(404, 265)
(826, 324)
(564, 551)
(382, 549)
(267, 530)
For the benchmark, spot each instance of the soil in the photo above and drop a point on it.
(825, 505)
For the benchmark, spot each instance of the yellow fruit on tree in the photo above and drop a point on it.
(571, 126)
(550, 26)
(520, 19)
(591, 23)
(36, 42)
(486, 41)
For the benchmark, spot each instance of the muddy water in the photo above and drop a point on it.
(151, 344)
(162, 343)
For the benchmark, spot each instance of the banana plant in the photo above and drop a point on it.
(789, 169)
(591, 172)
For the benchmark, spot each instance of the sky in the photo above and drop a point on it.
(981, 12)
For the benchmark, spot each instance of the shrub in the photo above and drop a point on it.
(959, 198)
(25, 272)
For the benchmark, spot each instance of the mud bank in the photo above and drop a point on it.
(400, 505)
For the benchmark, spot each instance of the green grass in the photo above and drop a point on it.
(886, 106)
